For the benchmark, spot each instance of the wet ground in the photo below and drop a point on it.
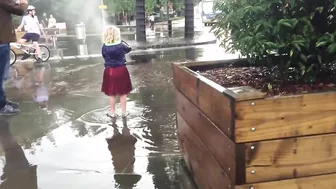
(75, 145)
(159, 36)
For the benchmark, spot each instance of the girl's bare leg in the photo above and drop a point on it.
(113, 102)
(123, 101)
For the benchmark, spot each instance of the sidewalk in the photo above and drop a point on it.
(167, 42)
(175, 19)
(154, 40)
(136, 52)
(157, 39)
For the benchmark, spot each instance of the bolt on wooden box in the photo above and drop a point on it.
(236, 138)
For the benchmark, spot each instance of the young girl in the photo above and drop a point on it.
(116, 79)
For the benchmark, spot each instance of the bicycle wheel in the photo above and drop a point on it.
(45, 53)
(13, 57)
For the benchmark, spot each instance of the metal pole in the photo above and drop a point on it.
(140, 21)
(168, 9)
(170, 28)
(189, 19)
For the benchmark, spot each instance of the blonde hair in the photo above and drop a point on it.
(112, 35)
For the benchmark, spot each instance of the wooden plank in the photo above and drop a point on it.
(212, 99)
(218, 144)
(207, 62)
(246, 93)
(316, 182)
(185, 82)
(291, 158)
(240, 165)
(285, 117)
(241, 93)
(204, 168)
(238, 93)
(216, 106)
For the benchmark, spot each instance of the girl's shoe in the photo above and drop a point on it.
(124, 114)
(111, 115)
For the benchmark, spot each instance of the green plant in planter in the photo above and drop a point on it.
(302, 32)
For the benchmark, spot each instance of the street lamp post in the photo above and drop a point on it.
(170, 28)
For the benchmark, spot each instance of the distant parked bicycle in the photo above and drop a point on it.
(29, 49)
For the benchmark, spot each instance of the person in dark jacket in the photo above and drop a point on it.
(8, 35)
(116, 79)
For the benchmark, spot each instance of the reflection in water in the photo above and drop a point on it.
(41, 95)
(33, 81)
(183, 54)
(122, 147)
(191, 54)
(155, 91)
(17, 172)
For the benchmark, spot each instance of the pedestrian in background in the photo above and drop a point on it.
(116, 79)
(8, 35)
(152, 21)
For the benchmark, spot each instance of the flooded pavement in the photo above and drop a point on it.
(64, 131)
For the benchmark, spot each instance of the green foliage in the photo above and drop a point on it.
(151, 4)
(115, 6)
(129, 5)
(303, 32)
(76, 9)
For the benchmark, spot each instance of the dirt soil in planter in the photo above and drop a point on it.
(256, 77)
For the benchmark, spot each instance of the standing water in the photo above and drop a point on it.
(75, 145)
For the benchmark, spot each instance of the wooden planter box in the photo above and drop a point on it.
(236, 138)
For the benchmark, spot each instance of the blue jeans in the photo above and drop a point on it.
(4, 71)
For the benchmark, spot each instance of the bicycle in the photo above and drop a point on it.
(29, 49)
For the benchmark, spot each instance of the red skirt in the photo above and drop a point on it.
(116, 81)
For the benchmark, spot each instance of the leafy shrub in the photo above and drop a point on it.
(302, 32)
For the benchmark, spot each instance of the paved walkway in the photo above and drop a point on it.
(155, 40)
(135, 52)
